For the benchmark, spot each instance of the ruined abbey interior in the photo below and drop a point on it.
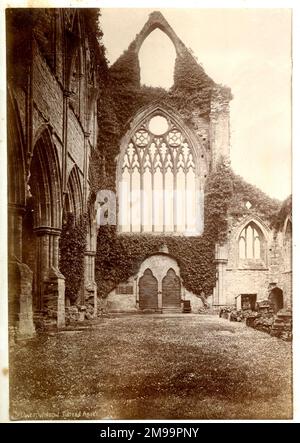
(178, 228)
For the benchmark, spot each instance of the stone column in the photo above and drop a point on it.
(220, 125)
(51, 281)
(85, 166)
(15, 220)
(90, 286)
(136, 291)
(159, 296)
(66, 99)
(19, 278)
(221, 259)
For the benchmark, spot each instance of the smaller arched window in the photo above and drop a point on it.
(251, 243)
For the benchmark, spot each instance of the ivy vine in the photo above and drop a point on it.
(119, 256)
(120, 99)
(72, 248)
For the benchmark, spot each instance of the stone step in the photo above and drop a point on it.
(171, 310)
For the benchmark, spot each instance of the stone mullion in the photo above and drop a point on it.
(175, 198)
(153, 199)
(130, 198)
(142, 197)
(185, 199)
(164, 198)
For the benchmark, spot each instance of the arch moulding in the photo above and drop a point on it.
(152, 111)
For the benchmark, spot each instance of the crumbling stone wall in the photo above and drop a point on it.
(203, 106)
(49, 140)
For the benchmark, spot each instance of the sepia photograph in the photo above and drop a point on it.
(149, 213)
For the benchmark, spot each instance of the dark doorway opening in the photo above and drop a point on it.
(276, 299)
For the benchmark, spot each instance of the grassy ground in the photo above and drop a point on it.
(143, 367)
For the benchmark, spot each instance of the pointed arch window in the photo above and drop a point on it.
(251, 243)
(158, 179)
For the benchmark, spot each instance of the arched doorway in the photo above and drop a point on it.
(171, 291)
(148, 291)
(276, 299)
(159, 284)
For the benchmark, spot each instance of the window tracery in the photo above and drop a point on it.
(250, 243)
(158, 183)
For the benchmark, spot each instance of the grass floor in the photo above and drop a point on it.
(152, 367)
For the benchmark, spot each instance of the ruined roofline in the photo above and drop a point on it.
(156, 20)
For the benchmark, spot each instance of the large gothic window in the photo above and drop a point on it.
(158, 180)
(250, 243)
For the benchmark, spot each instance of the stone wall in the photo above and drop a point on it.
(75, 140)
(255, 277)
(245, 282)
(47, 94)
(121, 302)
(159, 264)
(49, 140)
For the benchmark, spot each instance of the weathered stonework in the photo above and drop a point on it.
(54, 79)
(240, 277)
(20, 299)
(208, 119)
(49, 117)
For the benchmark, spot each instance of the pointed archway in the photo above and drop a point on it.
(276, 299)
(42, 228)
(171, 291)
(148, 291)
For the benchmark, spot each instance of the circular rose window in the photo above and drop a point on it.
(158, 125)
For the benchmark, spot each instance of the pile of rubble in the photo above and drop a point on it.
(282, 325)
(261, 322)
(240, 315)
(225, 312)
(79, 313)
(263, 319)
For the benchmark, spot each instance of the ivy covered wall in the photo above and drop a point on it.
(121, 98)
(72, 248)
(120, 255)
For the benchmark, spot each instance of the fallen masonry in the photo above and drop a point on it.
(263, 319)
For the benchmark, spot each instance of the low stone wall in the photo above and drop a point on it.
(118, 303)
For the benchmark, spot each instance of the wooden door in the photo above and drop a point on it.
(171, 293)
(148, 289)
